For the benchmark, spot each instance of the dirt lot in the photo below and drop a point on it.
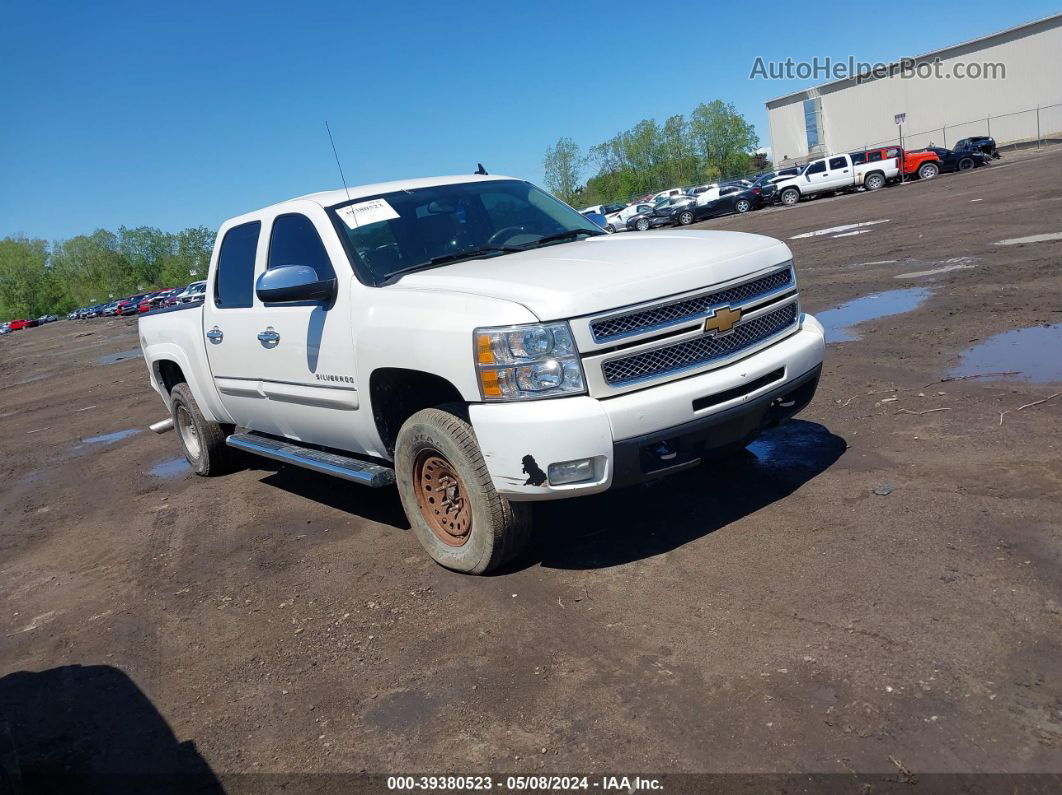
(787, 613)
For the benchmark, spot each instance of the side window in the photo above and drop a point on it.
(874, 157)
(817, 167)
(858, 158)
(892, 153)
(838, 162)
(295, 241)
(234, 282)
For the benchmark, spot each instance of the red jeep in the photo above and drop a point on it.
(924, 164)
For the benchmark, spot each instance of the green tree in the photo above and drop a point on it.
(27, 287)
(722, 138)
(564, 165)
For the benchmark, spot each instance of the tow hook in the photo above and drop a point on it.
(162, 425)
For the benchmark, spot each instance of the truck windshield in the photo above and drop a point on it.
(394, 233)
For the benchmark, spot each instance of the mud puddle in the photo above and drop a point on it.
(1035, 353)
(840, 321)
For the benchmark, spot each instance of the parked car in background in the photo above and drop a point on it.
(921, 163)
(659, 214)
(730, 199)
(604, 209)
(617, 222)
(978, 143)
(667, 194)
(767, 181)
(836, 173)
(193, 293)
(18, 325)
(109, 310)
(130, 305)
(953, 160)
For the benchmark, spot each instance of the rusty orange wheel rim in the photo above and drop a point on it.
(442, 498)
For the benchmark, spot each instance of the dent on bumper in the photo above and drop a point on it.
(520, 440)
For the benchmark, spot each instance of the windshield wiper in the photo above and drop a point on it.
(563, 236)
(457, 256)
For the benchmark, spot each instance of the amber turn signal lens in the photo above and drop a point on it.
(488, 380)
(485, 354)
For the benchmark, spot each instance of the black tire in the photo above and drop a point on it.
(966, 164)
(610, 228)
(642, 225)
(742, 206)
(499, 529)
(874, 181)
(928, 170)
(685, 218)
(789, 197)
(201, 441)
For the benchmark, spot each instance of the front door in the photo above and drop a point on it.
(292, 372)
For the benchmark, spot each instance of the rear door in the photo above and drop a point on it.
(838, 173)
(229, 325)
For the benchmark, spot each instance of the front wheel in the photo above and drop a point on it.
(928, 170)
(743, 205)
(790, 196)
(610, 228)
(966, 164)
(685, 218)
(448, 496)
(641, 225)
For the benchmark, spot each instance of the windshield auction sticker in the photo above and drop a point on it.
(365, 213)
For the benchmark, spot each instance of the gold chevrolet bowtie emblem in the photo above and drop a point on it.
(723, 320)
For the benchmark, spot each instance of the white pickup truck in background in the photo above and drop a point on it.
(836, 173)
(481, 345)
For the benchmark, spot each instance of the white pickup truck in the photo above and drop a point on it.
(482, 345)
(836, 173)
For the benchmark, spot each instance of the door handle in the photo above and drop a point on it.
(215, 335)
(269, 336)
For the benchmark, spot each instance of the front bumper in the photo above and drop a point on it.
(632, 437)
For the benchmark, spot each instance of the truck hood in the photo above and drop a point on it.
(607, 272)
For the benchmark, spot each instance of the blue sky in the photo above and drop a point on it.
(188, 113)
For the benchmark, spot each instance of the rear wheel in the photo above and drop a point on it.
(742, 205)
(610, 228)
(928, 170)
(202, 441)
(448, 496)
(641, 224)
(874, 181)
(685, 218)
(966, 164)
(789, 196)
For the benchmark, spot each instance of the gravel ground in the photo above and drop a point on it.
(873, 590)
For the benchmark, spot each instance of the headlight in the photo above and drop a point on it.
(528, 362)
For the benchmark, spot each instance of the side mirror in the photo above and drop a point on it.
(293, 283)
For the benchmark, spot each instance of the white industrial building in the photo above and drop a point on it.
(932, 105)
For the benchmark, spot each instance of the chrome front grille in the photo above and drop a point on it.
(643, 320)
(699, 350)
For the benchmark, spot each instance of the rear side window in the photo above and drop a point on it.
(838, 162)
(295, 242)
(874, 157)
(234, 283)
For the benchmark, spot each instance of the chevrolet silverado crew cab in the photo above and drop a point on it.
(481, 345)
(836, 173)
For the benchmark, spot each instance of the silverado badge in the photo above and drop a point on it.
(723, 320)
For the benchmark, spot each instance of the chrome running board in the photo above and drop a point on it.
(289, 452)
